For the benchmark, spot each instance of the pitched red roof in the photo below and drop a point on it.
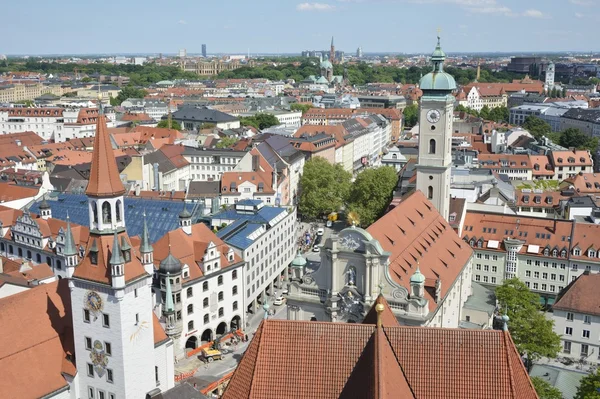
(581, 295)
(364, 361)
(104, 174)
(415, 233)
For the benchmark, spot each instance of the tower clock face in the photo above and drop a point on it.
(433, 116)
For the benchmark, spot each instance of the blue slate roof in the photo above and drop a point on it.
(264, 215)
(162, 215)
(239, 238)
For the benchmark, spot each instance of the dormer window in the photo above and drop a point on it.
(546, 251)
(94, 258)
(480, 243)
(576, 252)
(571, 160)
(560, 160)
(563, 253)
(537, 199)
(127, 255)
(472, 242)
(592, 253)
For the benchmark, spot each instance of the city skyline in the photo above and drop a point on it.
(538, 26)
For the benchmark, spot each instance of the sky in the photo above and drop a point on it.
(290, 26)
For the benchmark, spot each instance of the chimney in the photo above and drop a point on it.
(255, 162)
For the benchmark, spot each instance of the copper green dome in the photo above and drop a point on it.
(326, 64)
(437, 79)
(417, 277)
(299, 261)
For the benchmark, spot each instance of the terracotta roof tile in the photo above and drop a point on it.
(159, 333)
(581, 295)
(387, 316)
(571, 158)
(37, 323)
(104, 174)
(414, 232)
(12, 192)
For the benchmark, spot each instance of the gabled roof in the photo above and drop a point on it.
(368, 361)
(581, 295)
(104, 174)
(415, 233)
(37, 337)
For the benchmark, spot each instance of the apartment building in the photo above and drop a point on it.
(567, 164)
(209, 164)
(516, 167)
(209, 68)
(29, 91)
(264, 237)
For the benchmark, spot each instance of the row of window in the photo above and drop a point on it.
(99, 394)
(544, 286)
(561, 277)
(486, 279)
(584, 333)
(206, 317)
(587, 319)
(585, 349)
(109, 373)
(546, 264)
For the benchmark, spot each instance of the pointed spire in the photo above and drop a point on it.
(117, 257)
(331, 41)
(70, 247)
(100, 109)
(104, 175)
(169, 307)
(145, 247)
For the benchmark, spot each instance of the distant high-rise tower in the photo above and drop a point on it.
(549, 83)
(182, 53)
(204, 50)
(359, 52)
(332, 52)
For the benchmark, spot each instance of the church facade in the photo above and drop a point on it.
(411, 255)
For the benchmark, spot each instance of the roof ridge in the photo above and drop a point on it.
(505, 349)
(397, 360)
(258, 334)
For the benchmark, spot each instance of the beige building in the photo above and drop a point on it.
(22, 92)
(209, 68)
(107, 91)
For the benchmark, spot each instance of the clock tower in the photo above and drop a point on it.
(111, 292)
(435, 133)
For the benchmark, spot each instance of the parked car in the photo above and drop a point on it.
(285, 291)
(320, 231)
(210, 355)
(329, 223)
(316, 248)
(280, 300)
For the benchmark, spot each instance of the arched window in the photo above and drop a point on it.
(234, 290)
(118, 210)
(430, 192)
(220, 296)
(432, 146)
(38, 258)
(190, 309)
(190, 292)
(191, 325)
(95, 212)
(205, 286)
(205, 302)
(106, 215)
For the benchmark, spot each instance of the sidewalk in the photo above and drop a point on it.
(210, 372)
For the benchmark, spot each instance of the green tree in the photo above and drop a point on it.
(499, 114)
(531, 331)
(260, 121)
(589, 386)
(536, 126)
(128, 92)
(572, 137)
(372, 192)
(544, 389)
(226, 142)
(165, 124)
(27, 103)
(411, 115)
(300, 107)
(564, 92)
(485, 112)
(323, 188)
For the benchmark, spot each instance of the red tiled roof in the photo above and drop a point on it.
(495, 161)
(416, 234)
(585, 238)
(37, 335)
(546, 199)
(364, 361)
(571, 158)
(12, 192)
(541, 165)
(581, 295)
(585, 183)
(104, 174)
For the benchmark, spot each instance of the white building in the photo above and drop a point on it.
(156, 109)
(265, 238)
(577, 320)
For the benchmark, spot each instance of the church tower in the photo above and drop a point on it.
(549, 83)
(332, 52)
(111, 295)
(435, 133)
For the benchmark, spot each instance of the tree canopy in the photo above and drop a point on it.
(372, 192)
(300, 107)
(411, 115)
(128, 92)
(572, 137)
(165, 124)
(260, 121)
(536, 126)
(226, 142)
(544, 389)
(323, 188)
(589, 386)
(531, 331)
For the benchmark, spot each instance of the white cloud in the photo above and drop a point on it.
(182, 22)
(582, 2)
(579, 15)
(534, 14)
(314, 7)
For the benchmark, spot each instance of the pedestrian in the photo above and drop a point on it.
(246, 337)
